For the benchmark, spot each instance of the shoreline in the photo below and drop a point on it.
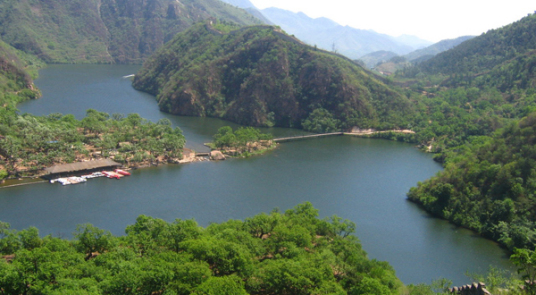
(191, 156)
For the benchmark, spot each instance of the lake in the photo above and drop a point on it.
(363, 180)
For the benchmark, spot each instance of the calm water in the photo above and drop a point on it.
(363, 180)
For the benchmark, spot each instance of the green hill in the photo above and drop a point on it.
(107, 31)
(489, 186)
(481, 99)
(502, 58)
(477, 86)
(262, 77)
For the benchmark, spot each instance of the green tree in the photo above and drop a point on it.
(89, 239)
(229, 285)
(321, 121)
(525, 260)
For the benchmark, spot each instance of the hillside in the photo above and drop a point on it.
(17, 71)
(329, 35)
(484, 82)
(107, 31)
(481, 100)
(502, 58)
(259, 76)
(489, 186)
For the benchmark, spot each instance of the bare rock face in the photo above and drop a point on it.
(217, 155)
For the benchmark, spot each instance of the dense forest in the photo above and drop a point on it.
(483, 124)
(502, 58)
(259, 76)
(278, 253)
(489, 185)
(107, 31)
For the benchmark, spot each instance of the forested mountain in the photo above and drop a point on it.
(503, 58)
(383, 62)
(481, 99)
(259, 76)
(329, 35)
(107, 31)
(489, 186)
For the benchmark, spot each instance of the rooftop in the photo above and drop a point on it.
(80, 166)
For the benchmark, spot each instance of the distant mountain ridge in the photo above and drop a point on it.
(260, 76)
(382, 59)
(104, 31)
(249, 7)
(329, 35)
(372, 59)
(436, 48)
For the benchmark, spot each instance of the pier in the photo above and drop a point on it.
(355, 132)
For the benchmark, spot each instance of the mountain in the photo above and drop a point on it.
(436, 48)
(489, 186)
(373, 58)
(261, 76)
(249, 7)
(104, 31)
(329, 35)
(482, 105)
(413, 41)
(504, 58)
(388, 64)
(240, 3)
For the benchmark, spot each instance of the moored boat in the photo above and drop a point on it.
(122, 172)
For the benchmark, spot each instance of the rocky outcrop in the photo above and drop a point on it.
(217, 156)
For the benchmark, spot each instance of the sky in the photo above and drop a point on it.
(431, 20)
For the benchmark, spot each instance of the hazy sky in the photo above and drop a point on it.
(428, 19)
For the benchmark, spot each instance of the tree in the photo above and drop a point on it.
(321, 121)
(230, 285)
(147, 233)
(9, 241)
(89, 239)
(29, 238)
(525, 260)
